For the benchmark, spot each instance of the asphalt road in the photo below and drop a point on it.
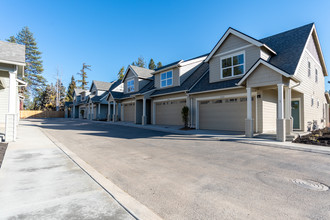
(184, 177)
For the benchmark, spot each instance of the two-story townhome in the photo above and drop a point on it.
(272, 85)
(83, 108)
(97, 102)
(76, 102)
(12, 62)
(275, 84)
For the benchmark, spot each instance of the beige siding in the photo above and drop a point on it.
(169, 112)
(265, 54)
(252, 54)
(269, 106)
(176, 78)
(130, 76)
(311, 89)
(312, 49)
(263, 76)
(4, 94)
(129, 111)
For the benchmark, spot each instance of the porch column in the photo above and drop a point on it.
(89, 112)
(280, 127)
(11, 117)
(153, 112)
(99, 110)
(144, 115)
(288, 118)
(122, 112)
(92, 115)
(108, 115)
(249, 119)
(114, 111)
(73, 111)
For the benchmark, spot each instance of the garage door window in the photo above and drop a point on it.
(166, 79)
(232, 66)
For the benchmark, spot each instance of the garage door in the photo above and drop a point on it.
(223, 114)
(169, 112)
(129, 110)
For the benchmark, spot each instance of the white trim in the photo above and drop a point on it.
(169, 99)
(261, 61)
(240, 35)
(22, 82)
(160, 79)
(169, 93)
(125, 102)
(256, 102)
(216, 90)
(130, 86)
(299, 100)
(313, 58)
(233, 50)
(167, 68)
(12, 62)
(196, 60)
(232, 67)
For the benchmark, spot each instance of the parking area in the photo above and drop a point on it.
(189, 177)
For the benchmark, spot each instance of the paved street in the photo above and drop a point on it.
(185, 177)
(38, 181)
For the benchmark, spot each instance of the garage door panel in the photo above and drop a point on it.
(169, 112)
(223, 114)
(129, 110)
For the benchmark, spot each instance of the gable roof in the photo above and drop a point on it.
(12, 53)
(169, 65)
(103, 86)
(240, 35)
(78, 90)
(139, 72)
(289, 46)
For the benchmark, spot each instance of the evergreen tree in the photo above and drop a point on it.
(152, 64)
(140, 62)
(121, 73)
(159, 65)
(11, 39)
(60, 90)
(83, 75)
(71, 87)
(34, 68)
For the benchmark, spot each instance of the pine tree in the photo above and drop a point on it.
(152, 65)
(159, 65)
(71, 87)
(83, 75)
(34, 67)
(11, 39)
(140, 62)
(61, 93)
(121, 73)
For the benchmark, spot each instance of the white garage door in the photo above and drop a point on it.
(129, 111)
(169, 112)
(223, 114)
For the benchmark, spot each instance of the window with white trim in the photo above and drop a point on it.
(316, 75)
(130, 85)
(166, 79)
(309, 69)
(232, 66)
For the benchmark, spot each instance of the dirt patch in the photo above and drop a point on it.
(3, 148)
(317, 137)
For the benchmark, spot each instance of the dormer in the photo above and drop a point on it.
(99, 87)
(234, 54)
(135, 78)
(175, 73)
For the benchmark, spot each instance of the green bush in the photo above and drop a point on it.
(185, 114)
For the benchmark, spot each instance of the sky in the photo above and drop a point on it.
(110, 34)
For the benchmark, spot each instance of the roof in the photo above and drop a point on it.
(142, 72)
(78, 90)
(289, 46)
(168, 65)
(199, 71)
(100, 85)
(99, 98)
(12, 52)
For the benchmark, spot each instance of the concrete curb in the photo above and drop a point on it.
(131, 205)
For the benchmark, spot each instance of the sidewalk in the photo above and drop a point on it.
(38, 181)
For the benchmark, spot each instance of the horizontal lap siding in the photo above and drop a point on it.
(269, 106)
(4, 94)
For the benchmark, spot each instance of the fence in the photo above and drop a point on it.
(41, 114)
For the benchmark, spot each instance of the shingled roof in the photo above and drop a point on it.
(12, 52)
(289, 46)
(142, 72)
(103, 86)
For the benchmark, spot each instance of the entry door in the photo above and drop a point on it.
(295, 112)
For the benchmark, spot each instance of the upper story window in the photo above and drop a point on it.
(166, 79)
(232, 66)
(309, 69)
(130, 85)
(316, 75)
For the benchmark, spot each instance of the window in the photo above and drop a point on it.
(316, 79)
(232, 66)
(309, 69)
(166, 79)
(130, 85)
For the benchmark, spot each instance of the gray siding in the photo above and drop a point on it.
(263, 76)
(252, 54)
(130, 76)
(4, 94)
(176, 78)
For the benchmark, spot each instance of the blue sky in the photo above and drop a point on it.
(111, 34)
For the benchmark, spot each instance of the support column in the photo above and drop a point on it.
(249, 119)
(288, 117)
(73, 111)
(99, 111)
(109, 109)
(144, 112)
(280, 126)
(92, 115)
(153, 112)
(11, 116)
(114, 111)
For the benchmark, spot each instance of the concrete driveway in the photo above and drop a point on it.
(185, 177)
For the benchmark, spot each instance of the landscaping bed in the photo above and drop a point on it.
(317, 137)
(3, 148)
